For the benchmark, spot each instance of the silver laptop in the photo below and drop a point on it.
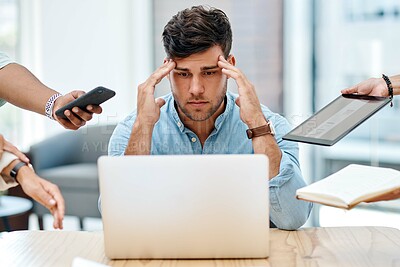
(185, 207)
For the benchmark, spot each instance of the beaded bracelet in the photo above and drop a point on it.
(389, 86)
(48, 109)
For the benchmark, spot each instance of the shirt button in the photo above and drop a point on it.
(193, 139)
(179, 124)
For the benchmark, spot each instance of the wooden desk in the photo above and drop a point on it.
(338, 246)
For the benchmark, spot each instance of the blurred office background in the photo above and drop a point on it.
(298, 53)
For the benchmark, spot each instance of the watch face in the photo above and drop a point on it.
(14, 171)
(249, 133)
(271, 127)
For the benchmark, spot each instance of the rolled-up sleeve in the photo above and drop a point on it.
(5, 160)
(287, 212)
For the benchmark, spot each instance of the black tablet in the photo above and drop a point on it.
(337, 119)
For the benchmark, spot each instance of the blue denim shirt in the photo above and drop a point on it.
(170, 136)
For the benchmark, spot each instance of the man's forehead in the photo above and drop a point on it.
(193, 65)
(204, 60)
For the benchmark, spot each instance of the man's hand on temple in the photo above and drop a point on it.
(148, 108)
(250, 109)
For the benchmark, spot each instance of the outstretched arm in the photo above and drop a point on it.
(39, 189)
(374, 87)
(389, 196)
(21, 88)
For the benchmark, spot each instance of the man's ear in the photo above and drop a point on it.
(232, 60)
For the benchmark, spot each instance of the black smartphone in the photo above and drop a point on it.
(94, 97)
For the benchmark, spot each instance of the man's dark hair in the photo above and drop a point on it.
(195, 30)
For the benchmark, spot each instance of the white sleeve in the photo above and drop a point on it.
(5, 160)
(4, 60)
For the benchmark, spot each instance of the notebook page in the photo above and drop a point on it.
(354, 181)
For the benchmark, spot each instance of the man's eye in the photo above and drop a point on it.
(209, 73)
(183, 74)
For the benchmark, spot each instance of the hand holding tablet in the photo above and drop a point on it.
(337, 119)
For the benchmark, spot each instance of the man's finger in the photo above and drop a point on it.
(237, 101)
(226, 65)
(161, 72)
(240, 80)
(160, 102)
(232, 72)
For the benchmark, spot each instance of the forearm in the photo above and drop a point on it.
(395, 80)
(5, 173)
(267, 145)
(140, 139)
(287, 212)
(21, 88)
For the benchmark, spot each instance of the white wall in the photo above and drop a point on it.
(80, 44)
(297, 90)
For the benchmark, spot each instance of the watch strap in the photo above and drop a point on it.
(259, 131)
(14, 171)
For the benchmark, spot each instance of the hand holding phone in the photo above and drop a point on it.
(94, 97)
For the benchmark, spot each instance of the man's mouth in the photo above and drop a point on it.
(197, 103)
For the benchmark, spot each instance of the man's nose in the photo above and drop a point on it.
(196, 86)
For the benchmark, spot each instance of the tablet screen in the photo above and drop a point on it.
(337, 119)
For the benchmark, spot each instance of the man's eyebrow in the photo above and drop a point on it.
(202, 68)
(209, 67)
(181, 69)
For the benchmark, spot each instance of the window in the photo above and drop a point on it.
(9, 115)
(355, 40)
(257, 43)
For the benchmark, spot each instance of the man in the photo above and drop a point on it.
(200, 116)
(21, 88)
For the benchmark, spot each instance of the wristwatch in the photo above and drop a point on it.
(14, 171)
(260, 131)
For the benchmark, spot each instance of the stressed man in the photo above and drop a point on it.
(200, 116)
